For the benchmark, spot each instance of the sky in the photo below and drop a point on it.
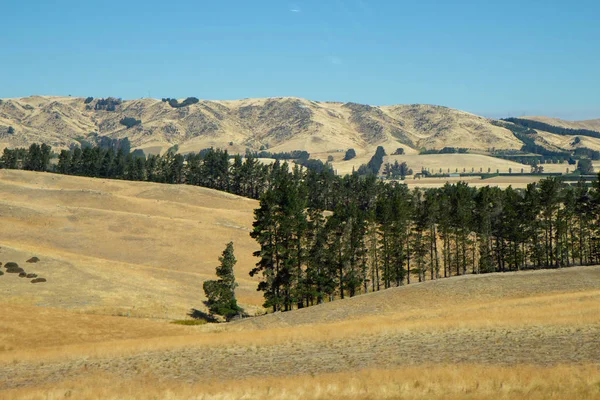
(494, 58)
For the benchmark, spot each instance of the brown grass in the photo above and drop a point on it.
(121, 248)
(529, 334)
(425, 382)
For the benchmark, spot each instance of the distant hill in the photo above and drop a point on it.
(276, 124)
(592, 124)
(280, 124)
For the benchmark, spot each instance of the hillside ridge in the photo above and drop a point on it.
(279, 124)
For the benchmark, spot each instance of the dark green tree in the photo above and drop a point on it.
(350, 154)
(220, 294)
(585, 167)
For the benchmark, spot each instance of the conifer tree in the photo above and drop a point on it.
(220, 293)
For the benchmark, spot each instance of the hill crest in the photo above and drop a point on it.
(280, 124)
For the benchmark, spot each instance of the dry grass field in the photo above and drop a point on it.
(432, 162)
(124, 259)
(119, 248)
(510, 336)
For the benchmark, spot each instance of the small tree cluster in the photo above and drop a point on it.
(130, 122)
(175, 104)
(108, 104)
(585, 166)
(374, 164)
(350, 154)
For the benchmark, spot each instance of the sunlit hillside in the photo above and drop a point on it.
(120, 248)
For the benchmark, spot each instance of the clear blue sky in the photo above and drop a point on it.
(495, 58)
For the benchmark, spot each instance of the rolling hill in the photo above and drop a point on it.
(281, 124)
(118, 247)
(123, 259)
(592, 124)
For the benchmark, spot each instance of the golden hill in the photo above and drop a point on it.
(118, 247)
(282, 124)
(592, 124)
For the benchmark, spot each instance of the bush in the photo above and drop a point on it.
(350, 154)
(399, 152)
(1, 273)
(330, 158)
(22, 275)
(38, 280)
(88, 100)
(29, 276)
(130, 122)
(33, 260)
(13, 268)
(10, 130)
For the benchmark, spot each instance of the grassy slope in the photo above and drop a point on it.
(592, 124)
(115, 247)
(528, 334)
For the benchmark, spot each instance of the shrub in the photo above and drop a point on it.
(33, 260)
(350, 154)
(10, 130)
(29, 276)
(329, 158)
(88, 100)
(22, 275)
(38, 280)
(399, 152)
(13, 268)
(1, 273)
(130, 122)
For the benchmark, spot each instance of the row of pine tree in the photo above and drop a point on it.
(324, 237)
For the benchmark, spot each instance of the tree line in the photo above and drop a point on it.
(531, 124)
(211, 168)
(324, 236)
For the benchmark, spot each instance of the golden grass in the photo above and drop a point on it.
(425, 382)
(503, 336)
(121, 248)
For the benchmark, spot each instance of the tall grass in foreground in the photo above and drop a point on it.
(425, 382)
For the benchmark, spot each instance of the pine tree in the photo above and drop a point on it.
(220, 294)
